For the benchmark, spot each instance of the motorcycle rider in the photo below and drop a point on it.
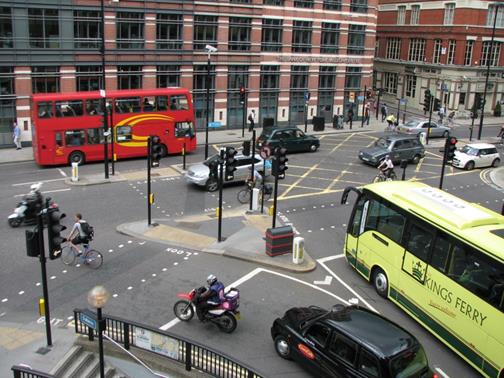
(212, 297)
(34, 200)
(386, 167)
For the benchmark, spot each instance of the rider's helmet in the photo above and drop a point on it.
(211, 279)
(36, 187)
(387, 157)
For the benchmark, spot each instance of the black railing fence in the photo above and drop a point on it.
(26, 372)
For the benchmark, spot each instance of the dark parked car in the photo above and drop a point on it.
(293, 139)
(348, 342)
(398, 147)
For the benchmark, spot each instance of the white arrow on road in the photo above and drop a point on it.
(327, 281)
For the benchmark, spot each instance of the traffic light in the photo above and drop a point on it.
(32, 242)
(450, 147)
(242, 95)
(54, 228)
(427, 100)
(280, 161)
(156, 151)
(437, 104)
(246, 148)
(230, 163)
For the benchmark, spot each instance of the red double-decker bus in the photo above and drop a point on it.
(68, 127)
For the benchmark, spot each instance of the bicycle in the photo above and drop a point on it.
(381, 177)
(90, 257)
(244, 194)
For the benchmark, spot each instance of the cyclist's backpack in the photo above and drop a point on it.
(88, 230)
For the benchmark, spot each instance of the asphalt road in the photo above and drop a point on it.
(144, 277)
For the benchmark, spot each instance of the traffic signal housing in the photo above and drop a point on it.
(156, 151)
(242, 95)
(246, 148)
(450, 147)
(54, 228)
(427, 100)
(280, 162)
(437, 104)
(230, 163)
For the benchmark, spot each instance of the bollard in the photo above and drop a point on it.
(255, 199)
(423, 138)
(298, 250)
(75, 172)
(41, 307)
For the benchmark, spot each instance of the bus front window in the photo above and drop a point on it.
(123, 134)
(183, 129)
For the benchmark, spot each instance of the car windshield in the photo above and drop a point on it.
(412, 123)
(470, 150)
(382, 142)
(211, 159)
(409, 363)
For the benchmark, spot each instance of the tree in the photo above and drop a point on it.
(497, 110)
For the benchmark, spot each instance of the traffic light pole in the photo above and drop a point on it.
(306, 116)
(149, 220)
(43, 259)
(252, 165)
(244, 118)
(262, 186)
(105, 117)
(363, 106)
(378, 104)
(221, 184)
(112, 146)
(431, 102)
(471, 129)
(445, 154)
(275, 201)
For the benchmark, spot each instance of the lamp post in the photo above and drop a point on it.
(98, 297)
(210, 49)
(104, 100)
(489, 60)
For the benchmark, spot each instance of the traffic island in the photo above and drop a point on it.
(244, 237)
(139, 175)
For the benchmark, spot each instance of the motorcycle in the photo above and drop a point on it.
(26, 210)
(224, 315)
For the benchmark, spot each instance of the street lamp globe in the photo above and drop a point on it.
(98, 296)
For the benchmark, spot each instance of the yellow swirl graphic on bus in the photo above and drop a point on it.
(139, 140)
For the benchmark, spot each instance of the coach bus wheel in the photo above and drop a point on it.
(76, 157)
(380, 282)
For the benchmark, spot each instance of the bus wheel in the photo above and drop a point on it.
(164, 151)
(76, 157)
(380, 282)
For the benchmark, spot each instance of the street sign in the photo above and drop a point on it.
(403, 101)
(444, 87)
(267, 164)
(265, 152)
(214, 124)
(88, 318)
(351, 97)
(360, 98)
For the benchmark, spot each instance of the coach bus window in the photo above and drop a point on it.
(385, 220)
(419, 242)
(148, 104)
(356, 222)
(69, 108)
(179, 102)
(183, 129)
(162, 102)
(74, 137)
(128, 105)
(45, 109)
(95, 136)
(94, 107)
(441, 253)
(123, 134)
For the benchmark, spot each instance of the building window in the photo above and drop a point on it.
(436, 56)
(416, 49)
(88, 78)
(449, 13)
(268, 95)
(271, 39)
(205, 31)
(237, 77)
(327, 83)
(401, 14)
(411, 85)
(468, 53)
(356, 38)
(393, 48)
(330, 38)
(239, 33)
(8, 100)
(353, 78)
(273, 2)
(5, 28)
(270, 78)
(129, 77)
(240, 1)
(87, 29)
(6, 81)
(169, 31)
(390, 82)
(298, 86)
(299, 77)
(451, 51)
(301, 36)
(200, 75)
(377, 47)
(332, 4)
(45, 80)
(462, 98)
(358, 6)
(493, 55)
(415, 14)
(303, 3)
(491, 16)
(130, 30)
(43, 25)
(167, 76)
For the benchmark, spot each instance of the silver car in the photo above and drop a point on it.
(200, 174)
(417, 126)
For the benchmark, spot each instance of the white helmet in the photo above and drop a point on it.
(211, 279)
(36, 187)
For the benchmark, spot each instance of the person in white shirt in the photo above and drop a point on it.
(386, 167)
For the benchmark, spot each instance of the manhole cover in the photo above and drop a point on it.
(43, 350)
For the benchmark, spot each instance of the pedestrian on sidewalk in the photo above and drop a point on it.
(16, 135)
(441, 114)
(367, 110)
(350, 114)
(384, 112)
(251, 119)
(451, 116)
(501, 132)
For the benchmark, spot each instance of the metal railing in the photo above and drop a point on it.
(192, 355)
(27, 372)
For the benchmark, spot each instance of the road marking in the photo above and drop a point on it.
(327, 281)
(297, 181)
(62, 172)
(442, 372)
(36, 182)
(47, 191)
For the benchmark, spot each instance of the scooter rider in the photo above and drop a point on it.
(211, 297)
(34, 199)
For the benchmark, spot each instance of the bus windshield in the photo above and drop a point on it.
(409, 363)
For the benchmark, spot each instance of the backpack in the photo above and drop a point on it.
(250, 118)
(88, 230)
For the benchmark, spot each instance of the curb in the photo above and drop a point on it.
(497, 181)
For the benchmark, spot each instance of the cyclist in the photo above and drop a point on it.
(255, 178)
(77, 235)
(386, 167)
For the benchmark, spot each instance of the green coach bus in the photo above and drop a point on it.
(438, 257)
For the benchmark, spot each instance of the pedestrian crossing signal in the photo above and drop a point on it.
(156, 151)
(280, 162)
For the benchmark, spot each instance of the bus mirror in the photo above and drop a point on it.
(347, 190)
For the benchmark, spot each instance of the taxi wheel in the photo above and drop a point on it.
(496, 162)
(212, 185)
(416, 159)
(282, 347)
(469, 166)
(313, 148)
